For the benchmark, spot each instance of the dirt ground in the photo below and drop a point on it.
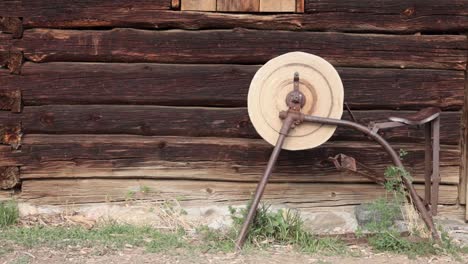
(277, 255)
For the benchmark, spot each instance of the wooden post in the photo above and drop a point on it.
(463, 194)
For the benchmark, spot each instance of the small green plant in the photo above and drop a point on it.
(402, 153)
(386, 236)
(130, 195)
(145, 189)
(9, 213)
(283, 227)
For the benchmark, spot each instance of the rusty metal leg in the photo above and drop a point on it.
(262, 184)
(435, 165)
(427, 163)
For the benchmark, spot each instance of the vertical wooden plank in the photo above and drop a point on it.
(198, 5)
(277, 5)
(299, 6)
(238, 5)
(463, 193)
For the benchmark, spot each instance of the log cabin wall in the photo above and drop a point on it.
(104, 97)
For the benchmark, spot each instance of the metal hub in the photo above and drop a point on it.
(295, 100)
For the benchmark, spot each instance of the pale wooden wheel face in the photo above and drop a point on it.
(319, 82)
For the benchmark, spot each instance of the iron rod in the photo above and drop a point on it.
(262, 184)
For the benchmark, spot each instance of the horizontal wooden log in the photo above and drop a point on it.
(243, 46)
(6, 195)
(333, 15)
(52, 8)
(145, 168)
(410, 8)
(194, 122)
(220, 85)
(191, 193)
(46, 156)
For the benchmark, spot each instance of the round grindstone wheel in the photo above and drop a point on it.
(321, 86)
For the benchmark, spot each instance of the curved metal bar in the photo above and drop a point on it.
(427, 218)
(292, 118)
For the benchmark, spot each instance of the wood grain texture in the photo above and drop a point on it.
(198, 5)
(10, 99)
(277, 5)
(300, 6)
(202, 158)
(6, 195)
(192, 193)
(243, 46)
(31, 8)
(195, 122)
(9, 177)
(221, 85)
(5, 47)
(238, 5)
(321, 16)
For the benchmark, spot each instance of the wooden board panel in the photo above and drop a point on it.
(199, 5)
(243, 46)
(193, 121)
(300, 6)
(366, 17)
(221, 85)
(201, 158)
(277, 5)
(192, 193)
(238, 5)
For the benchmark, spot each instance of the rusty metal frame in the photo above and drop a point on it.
(293, 117)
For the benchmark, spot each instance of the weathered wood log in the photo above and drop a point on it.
(243, 46)
(6, 195)
(45, 156)
(221, 85)
(361, 17)
(30, 8)
(9, 177)
(147, 168)
(191, 193)
(194, 122)
(11, 133)
(5, 46)
(10, 99)
(12, 25)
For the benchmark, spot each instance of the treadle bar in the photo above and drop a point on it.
(291, 118)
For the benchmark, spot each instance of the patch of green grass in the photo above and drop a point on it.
(386, 236)
(112, 236)
(284, 227)
(9, 213)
